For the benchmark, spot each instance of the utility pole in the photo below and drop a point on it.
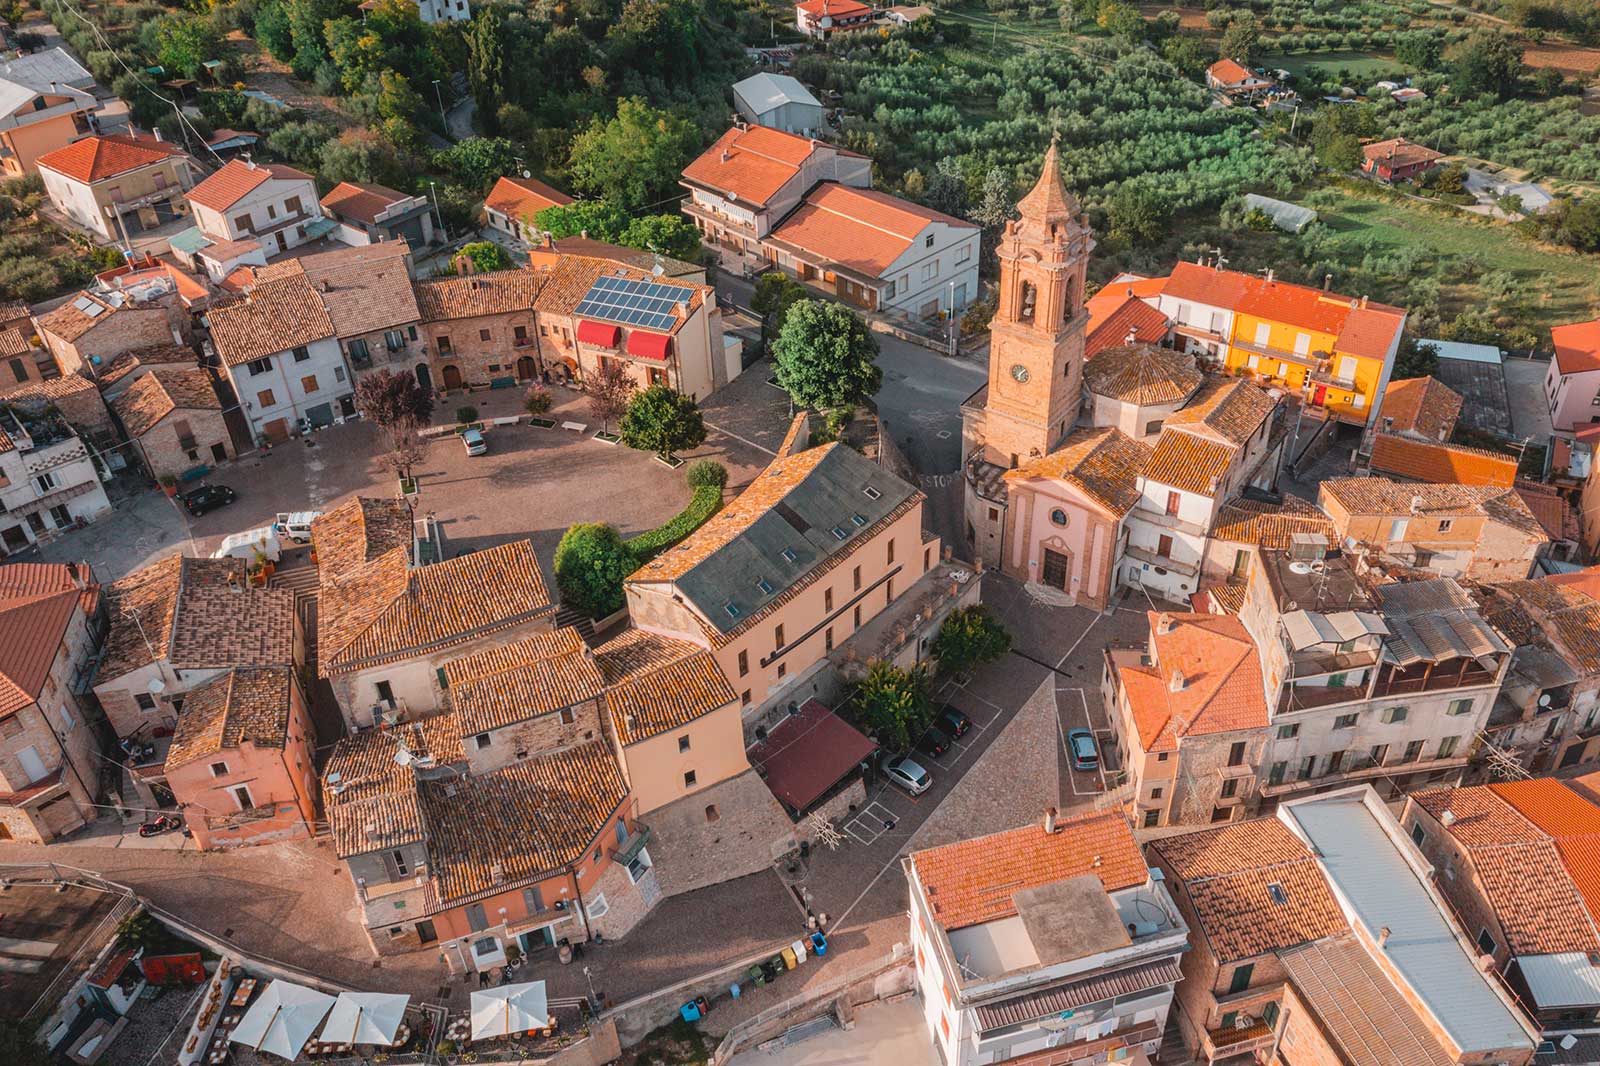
(437, 95)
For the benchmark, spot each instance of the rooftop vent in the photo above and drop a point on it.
(1177, 683)
(1050, 820)
(336, 783)
(790, 556)
(1447, 819)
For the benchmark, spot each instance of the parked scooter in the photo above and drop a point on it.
(138, 753)
(162, 824)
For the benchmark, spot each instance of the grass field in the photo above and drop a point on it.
(1373, 64)
(1561, 286)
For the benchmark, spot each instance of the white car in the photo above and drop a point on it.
(908, 774)
(295, 525)
(249, 544)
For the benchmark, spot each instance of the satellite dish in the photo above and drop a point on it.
(404, 757)
(527, 173)
(1544, 699)
(157, 685)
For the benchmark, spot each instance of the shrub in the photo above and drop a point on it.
(894, 704)
(591, 563)
(707, 501)
(968, 638)
(663, 421)
(705, 474)
(466, 414)
(537, 400)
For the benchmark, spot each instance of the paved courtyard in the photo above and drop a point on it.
(1530, 413)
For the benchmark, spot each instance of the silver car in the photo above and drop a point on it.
(908, 774)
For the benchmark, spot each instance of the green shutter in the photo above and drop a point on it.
(444, 682)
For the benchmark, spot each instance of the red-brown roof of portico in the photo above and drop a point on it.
(808, 753)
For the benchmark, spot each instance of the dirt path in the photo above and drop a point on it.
(266, 74)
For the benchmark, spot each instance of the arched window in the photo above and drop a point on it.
(1058, 517)
(1030, 301)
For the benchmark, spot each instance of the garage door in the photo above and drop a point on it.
(320, 415)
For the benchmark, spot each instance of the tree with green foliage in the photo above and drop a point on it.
(600, 220)
(947, 191)
(671, 235)
(825, 356)
(1575, 223)
(1485, 63)
(19, 1048)
(362, 156)
(706, 474)
(1137, 212)
(663, 420)
(1241, 39)
(996, 205)
(1415, 360)
(272, 30)
(894, 704)
(307, 20)
(969, 637)
(181, 43)
(1187, 53)
(478, 162)
(1336, 135)
(1548, 82)
(1419, 50)
(634, 159)
(775, 293)
(486, 62)
(1121, 20)
(486, 257)
(591, 564)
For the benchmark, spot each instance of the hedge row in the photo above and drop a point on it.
(706, 502)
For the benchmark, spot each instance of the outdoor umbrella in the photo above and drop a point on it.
(509, 1009)
(282, 1019)
(365, 1018)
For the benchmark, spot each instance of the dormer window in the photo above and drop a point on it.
(732, 609)
(764, 585)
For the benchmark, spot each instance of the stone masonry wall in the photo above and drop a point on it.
(534, 736)
(691, 851)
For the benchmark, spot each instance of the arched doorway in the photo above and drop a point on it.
(424, 377)
(526, 370)
(452, 377)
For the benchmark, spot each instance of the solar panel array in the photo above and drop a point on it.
(633, 303)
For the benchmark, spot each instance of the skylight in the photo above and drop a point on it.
(859, 520)
(790, 556)
(871, 493)
(1279, 896)
(764, 585)
(839, 533)
(732, 609)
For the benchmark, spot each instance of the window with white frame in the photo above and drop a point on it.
(640, 865)
(598, 906)
(930, 270)
(964, 253)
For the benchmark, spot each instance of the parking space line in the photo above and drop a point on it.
(1088, 723)
(1075, 643)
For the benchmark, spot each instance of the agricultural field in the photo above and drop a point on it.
(1365, 67)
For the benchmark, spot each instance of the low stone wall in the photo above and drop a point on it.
(637, 1017)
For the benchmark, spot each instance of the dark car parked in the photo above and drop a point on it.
(955, 723)
(208, 498)
(934, 742)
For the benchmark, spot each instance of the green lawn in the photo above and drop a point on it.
(1360, 64)
(1561, 286)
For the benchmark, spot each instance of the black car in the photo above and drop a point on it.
(207, 498)
(934, 742)
(952, 721)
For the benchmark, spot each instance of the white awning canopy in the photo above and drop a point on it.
(365, 1018)
(283, 1019)
(509, 1009)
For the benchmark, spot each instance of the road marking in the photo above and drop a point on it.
(741, 440)
(1075, 643)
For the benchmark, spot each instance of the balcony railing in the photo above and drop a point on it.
(1170, 521)
(1311, 664)
(1224, 1043)
(1469, 675)
(1363, 768)
(1145, 555)
(1308, 697)
(1305, 359)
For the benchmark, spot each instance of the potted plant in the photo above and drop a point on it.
(263, 565)
(169, 485)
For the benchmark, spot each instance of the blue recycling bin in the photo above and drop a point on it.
(690, 1012)
(733, 990)
(819, 944)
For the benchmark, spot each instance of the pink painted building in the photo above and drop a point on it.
(240, 765)
(1572, 384)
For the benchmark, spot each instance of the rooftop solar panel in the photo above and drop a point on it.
(633, 303)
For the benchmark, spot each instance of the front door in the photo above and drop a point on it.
(276, 430)
(1055, 569)
(1320, 396)
(452, 377)
(525, 368)
(320, 415)
(36, 523)
(219, 454)
(424, 378)
(15, 539)
(347, 406)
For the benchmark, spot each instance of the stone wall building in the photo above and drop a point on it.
(174, 417)
(89, 330)
(480, 329)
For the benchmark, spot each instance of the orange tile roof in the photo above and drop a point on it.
(99, 158)
(375, 804)
(1220, 674)
(501, 292)
(975, 881)
(537, 675)
(364, 203)
(1141, 374)
(1226, 409)
(839, 9)
(1399, 152)
(1189, 462)
(1425, 405)
(1229, 72)
(522, 198)
(1265, 525)
(1441, 464)
(238, 179)
(1204, 284)
(859, 229)
(1130, 317)
(564, 285)
(275, 316)
(1102, 463)
(1556, 516)
(1226, 873)
(656, 684)
(37, 604)
(1577, 346)
(246, 704)
(759, 162)
(158, 392)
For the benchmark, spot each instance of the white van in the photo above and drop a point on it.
(245, 545)
(295, 525)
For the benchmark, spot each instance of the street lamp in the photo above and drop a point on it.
(442, 227)
(437, 95)
(594, 1001)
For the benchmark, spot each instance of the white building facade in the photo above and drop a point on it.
(48, 483)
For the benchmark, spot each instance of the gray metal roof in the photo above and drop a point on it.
(1380, 889)
(1307, 629)
(824, 514)
(1567, 979)
(1434, 621)
(39, 69)
(768, 92)
(1467, 353)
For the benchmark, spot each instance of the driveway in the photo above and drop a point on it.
(1530, 417)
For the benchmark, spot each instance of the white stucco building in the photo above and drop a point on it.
(267, 205)
(47, 481)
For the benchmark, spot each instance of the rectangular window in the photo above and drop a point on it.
(777, 637)
(1173, 500)
(482, 740)
(1447, 747)
(145, 701)
(1379, 753)
(783, 670)
(358, 350)
(1413, 751)
(827, 639)
(858, 616)
(257, 367)
(683, 744)
(1263, 334)
(688, 779)
(1230, 788)
(1164, 546)
(891, 550)
(568, 716)
(1335, 761)
(744, 663)
(219, 769)
(858, 582)
(1241, 978)
(1345, 721)
(1459, 707)
(242, 223)
(1445, 524)
(444, 345)
(1288, 732)
(241, 796)
(292, 205)
(744, 698)
(1236, 753)
(1276, 776)
(827, 599)
(402, 868)
(1306, 766)
(533, 899)
(477, 918)
(483, 335)
(963, 253)
(1486, 942)
(1417, 835)
(1393, 715)
(44, 482)
(266, 398)
(308, 384)
(1152, 819)
(272, 211)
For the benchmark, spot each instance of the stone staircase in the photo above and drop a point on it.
(571, 616)
(1172, 1052)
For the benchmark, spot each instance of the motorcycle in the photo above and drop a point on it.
(162, 824)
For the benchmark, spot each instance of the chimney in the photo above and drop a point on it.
(549, 240)
(583, 233)
(251, 163)
(1132, 337)
(1363, 299)
(1383, 936)
(1050, 820)
(1178, 682)
(725, 155)
(1270, 274)
(1327, 282)
(324, 286)
(1447, 819)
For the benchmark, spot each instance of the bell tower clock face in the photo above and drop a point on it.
(1019, 373)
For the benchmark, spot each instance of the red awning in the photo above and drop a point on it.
(600, 334)
(649, 345)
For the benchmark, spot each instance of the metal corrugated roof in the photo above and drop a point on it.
(1069, 997)
(1380, 888)
(1467, 353)
(768, 92)
(1565, 980)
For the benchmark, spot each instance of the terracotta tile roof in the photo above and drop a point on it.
(1225, 409)
(642, 258)
(1370, 496)
(216, 626)
(1246, 521)
(1425, 406)
(839, 9)
(1555, 516)
(365, 289)
(565, 284)
(655, 684)
(274, 316)
(720, 561)
(1142, 374)
(12, 342)
(1227, 597)
(1361, 1011)
(1103, 463)
(1220, 674)
(69, 323)
(1399, 152)
(238, 179)
(759, 161)
(50, 389)
(1564, 614)
(1205, 285)
(807, 754)
(522, 198)
(1189, 462)
(1132, 316)
(497, 293)
(143, 604)
(1226, 872)
(37, 604)
(1442, 464)
(858, 229)
(248, 704)
(375, 803)
(1229, 73)
(158, 392)
(493, 832)
(975, 881)
(360, 530)
(1531, 843)
(100, 158)
(362, 202)
(541, 674)
(1577, 346)
(383, 610)
(135, 360)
